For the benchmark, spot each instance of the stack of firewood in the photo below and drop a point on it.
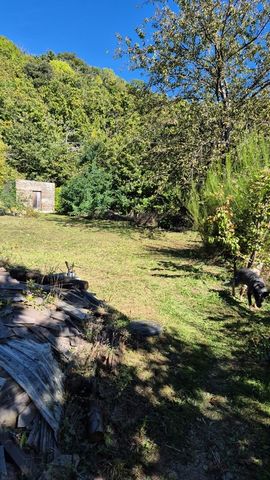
(37, 338)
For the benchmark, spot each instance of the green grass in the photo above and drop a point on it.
(194, 403)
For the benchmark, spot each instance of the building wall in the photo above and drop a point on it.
(25, 189)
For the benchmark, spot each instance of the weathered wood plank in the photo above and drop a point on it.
(59, 315)
(13, 399)
(27, 315)
(5, 332)
(11, 296)
(13, 286)
(33, 439)
(32, 366)
(77, 313)
(59, 344)
(2, 382)
(3, 466)
(21, 331)
(18, 456)
(75, 298)
(18, 402)
(92, 299)
(27, 415)
(46, 439)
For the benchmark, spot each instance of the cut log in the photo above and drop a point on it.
(5, 279)
(96, 430)
(62, 280)
(22, 274)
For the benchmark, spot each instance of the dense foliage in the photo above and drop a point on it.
(89, 193)
(232, 209)
(212, 51)
(113, 145)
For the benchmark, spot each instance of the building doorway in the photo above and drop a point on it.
(36, 197)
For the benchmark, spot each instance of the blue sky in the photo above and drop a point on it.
(85, 27)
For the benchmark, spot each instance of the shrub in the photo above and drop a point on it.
(218, 231)
(232, 209)
(9, 204)
(89, 193)
(58, 199)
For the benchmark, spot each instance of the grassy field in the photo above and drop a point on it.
(193, 404)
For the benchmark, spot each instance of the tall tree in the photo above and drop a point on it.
(211, 50)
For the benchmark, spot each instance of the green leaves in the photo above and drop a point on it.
(88, 194)
(232, 210)
(207, 51)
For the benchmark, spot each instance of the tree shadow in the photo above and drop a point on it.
(197, 272)
(183, 414)
(242, 309)
(123, 227)
(172, 409)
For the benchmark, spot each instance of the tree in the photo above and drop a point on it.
(210, 50)
(6, 172)
(40, 71)
(232, 209)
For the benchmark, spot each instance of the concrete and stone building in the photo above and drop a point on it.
(37, 195)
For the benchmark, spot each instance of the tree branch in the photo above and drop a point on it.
(252, 40)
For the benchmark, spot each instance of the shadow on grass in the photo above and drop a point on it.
(185, 414)
(125, 228)
(174, 410)
(194, 271)
(252, 314)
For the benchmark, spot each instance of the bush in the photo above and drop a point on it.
(58, 199)
(8, 202)
(89, 193)
(232, 209)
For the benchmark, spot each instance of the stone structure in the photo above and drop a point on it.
(38, 195)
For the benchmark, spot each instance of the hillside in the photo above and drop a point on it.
(112, 145)
(53, 106)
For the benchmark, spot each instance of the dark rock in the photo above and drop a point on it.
(145, 329)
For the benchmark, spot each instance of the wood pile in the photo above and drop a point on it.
(35, 340)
